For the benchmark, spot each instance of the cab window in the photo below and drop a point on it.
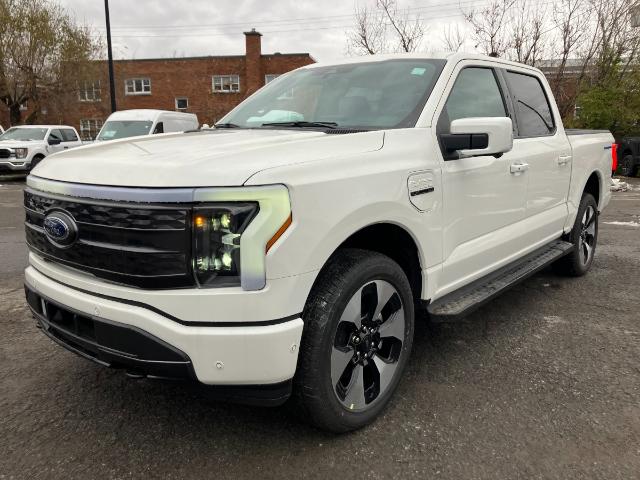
(475, 93)
(533, 112)
(69, 135)
(55, 135)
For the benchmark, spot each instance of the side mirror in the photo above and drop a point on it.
(54, 141)
(474, 137)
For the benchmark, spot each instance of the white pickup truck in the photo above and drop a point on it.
(288, 257)
(23, 147)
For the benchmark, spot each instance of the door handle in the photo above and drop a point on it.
(564, 159)
(519, 167)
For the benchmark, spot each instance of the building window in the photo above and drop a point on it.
(137, 86)
(89, 128)
(182, 103)
(24, 105)
(270, 77)
(226, 83)
(89, 91)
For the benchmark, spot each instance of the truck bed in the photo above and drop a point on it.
(583, 131)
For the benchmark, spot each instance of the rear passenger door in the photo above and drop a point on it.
(540, 143)
(483, 202)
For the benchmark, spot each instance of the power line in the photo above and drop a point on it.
(437, 6)
(284, 23)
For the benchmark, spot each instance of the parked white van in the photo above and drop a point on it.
(134, 123)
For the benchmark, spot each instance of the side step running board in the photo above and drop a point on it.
(462, 302)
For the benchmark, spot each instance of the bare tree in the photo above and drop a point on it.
(573, 41)
(408, 32)
(618, 41)
(489, 27)
(571, 19)
(453, 38)
(385, 28)
(526, 38)
(369, 35)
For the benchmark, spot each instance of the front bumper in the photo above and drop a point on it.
(17, 166)
(141, 340)
(108, 343)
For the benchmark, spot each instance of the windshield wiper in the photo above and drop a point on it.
(301, 124)
(226, 125)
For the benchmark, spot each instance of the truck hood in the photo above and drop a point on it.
(199, 159)
(21, 143)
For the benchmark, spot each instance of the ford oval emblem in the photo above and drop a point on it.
(60, 228)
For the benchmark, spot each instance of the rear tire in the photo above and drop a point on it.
(584, 237)
(351, 357)
(627, 166)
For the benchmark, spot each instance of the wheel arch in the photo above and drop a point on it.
(594, 186)
(393, 240)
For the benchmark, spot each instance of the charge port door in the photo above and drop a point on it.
(421, 187)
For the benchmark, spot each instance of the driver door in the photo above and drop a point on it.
(483, 201)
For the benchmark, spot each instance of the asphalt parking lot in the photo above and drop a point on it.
(543, 382)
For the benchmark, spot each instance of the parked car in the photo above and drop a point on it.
(23, 147)
(134, 123)
(628, 156)
(288, 257)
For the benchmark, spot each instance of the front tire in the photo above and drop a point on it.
(356, 341)
(584, 237)
(35, 161)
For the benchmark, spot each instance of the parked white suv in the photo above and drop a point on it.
(23, 147)
(289, 256)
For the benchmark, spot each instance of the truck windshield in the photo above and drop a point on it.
(115, 129)
(24, 134)
(371, 95)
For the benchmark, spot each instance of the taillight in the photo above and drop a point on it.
(614, 157)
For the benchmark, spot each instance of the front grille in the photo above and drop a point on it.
(5, 153)
(142, 245)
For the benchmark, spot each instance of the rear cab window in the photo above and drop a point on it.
(532, 108)
(69, 135)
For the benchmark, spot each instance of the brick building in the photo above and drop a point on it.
(207, 86)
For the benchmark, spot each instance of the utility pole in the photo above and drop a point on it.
(112, 84)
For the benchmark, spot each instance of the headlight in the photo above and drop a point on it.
(21, 152)
(217, 230)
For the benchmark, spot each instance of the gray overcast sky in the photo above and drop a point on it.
(162, 28)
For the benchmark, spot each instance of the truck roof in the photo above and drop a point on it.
(453, 57)
(42, 126)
